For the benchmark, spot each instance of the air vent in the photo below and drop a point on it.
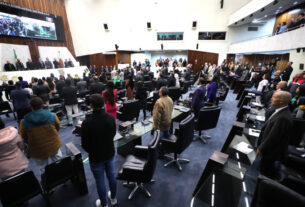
(252, 29)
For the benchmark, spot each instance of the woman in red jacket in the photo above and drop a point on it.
(109, 95)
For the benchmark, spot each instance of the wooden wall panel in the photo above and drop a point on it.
(201, 58)
(256, 59)
(100, 59)
(123, 57)
(56, 7)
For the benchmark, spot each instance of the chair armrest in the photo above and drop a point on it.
(140, 151)
(167, 140)
(296, 162)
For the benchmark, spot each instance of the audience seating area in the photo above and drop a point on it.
(224, 171)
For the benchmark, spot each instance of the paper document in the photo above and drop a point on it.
(117, 136)
(260, 118)
(243, 147)
(254, 132)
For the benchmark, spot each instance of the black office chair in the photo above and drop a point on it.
(19, 189)
(57, 173)
(298, 130)
(121, 94)
(151, 103)
(148, 85)
(223, 94)
(271, 193)
(180, 141)
(174, 93)
(140, 167)
(5, 108)
(129, 111)
(186, 85)
(207, 119)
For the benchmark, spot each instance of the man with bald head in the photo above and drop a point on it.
(275, 134)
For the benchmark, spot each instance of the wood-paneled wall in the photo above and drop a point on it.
(256, 59)
(100, 59)
(201, 58)
(56, 7)
(124, 57)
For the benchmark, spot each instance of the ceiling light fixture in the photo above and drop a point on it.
(295, 3)
(280, 7)
(265, 15)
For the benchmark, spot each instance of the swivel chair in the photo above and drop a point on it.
(139, 168)
(180, 141)
(207, 119)
(129, 111)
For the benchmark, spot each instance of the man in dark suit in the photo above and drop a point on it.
(70, 63)
(55, 63)
(30, 64)
(40, 64)
(66, 63)
(96, 86)
(287, 72)
(9, 66)
(48, 64)
(19, 65)
(274, 136)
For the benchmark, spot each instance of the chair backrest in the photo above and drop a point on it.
(148, 85)
(152, 158)
(131, 109)
(186, 133)
(121, 94)
(57, 173)
(19, 188)
(208, 117)
(5, 107)
(174, 93)
(267, 190)
(298, 130)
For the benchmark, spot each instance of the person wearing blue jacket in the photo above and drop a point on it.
(199, 97)
(212, 91)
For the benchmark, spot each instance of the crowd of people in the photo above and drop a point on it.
(39, 128)
(30, 65)
(171, 62)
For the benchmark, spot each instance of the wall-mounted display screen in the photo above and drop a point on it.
(170, 35)
(212, 36)
(22, 22)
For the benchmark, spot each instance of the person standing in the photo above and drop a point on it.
(9, 66)
(110, 99)
(162, 112)
(39, 129)
(69, 94)
(199, 97)
(12, 159)
(287, 72)
(97, 134)
(21, 99)
(274, 136)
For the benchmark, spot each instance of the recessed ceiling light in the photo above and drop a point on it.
(294, 3)
(265, 15)
(280, 7)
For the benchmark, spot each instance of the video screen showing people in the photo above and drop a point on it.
(13, 25)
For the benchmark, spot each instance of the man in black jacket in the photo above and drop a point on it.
(9, 66)
(274, 136)
(30, 64)
(97, 133)
(96, 86)
(69, 94)
(287, 72)
(48, 64)
(19, 65)
(40, 64)
(55, 63)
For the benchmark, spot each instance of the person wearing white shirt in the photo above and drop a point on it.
(263, 83)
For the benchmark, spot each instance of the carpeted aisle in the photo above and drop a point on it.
(172, 187)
